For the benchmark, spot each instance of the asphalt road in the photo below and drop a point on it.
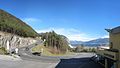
(29, 60)
(26, 54)
(81, 60)
(25, 64)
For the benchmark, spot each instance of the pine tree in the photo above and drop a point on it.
(55, 41)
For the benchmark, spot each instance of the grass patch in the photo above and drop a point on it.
(47, 51)
(3, 51)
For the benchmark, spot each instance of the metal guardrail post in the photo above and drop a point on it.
(106, 63)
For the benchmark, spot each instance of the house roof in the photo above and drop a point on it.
(115, 30)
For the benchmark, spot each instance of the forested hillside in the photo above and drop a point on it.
(58, 42)
(11, 24)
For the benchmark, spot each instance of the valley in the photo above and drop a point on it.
(47, 37)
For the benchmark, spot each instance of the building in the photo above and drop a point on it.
(110, 58)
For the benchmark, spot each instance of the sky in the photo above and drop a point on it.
(80, 20)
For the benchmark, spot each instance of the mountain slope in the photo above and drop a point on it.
(95, 42)
(11, 24)
(58, 43)
(76, 42)
(98, 41)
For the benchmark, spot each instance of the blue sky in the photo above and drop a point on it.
(77, 19)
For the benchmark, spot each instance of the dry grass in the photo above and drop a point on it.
(3, 51)
(49, 51)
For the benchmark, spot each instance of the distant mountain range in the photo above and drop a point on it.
(76, 42)
(96, 42)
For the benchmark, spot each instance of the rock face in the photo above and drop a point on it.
(8, 40)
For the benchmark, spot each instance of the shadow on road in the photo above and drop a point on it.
(77, 63)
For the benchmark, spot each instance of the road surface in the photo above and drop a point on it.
(79, 61)
(29, 60)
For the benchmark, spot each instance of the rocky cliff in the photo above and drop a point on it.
(12, 41)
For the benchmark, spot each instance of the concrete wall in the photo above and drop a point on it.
(115, 39)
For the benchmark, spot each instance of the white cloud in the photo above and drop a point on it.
(71, 34)
(32, 20)
(106, 36)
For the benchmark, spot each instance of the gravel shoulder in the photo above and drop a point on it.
(10, 58)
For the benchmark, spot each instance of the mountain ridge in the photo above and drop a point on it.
(95, 42)
(11, 24)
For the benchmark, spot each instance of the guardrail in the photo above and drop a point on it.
(109, 54)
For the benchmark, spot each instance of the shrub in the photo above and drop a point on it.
(3, 51)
